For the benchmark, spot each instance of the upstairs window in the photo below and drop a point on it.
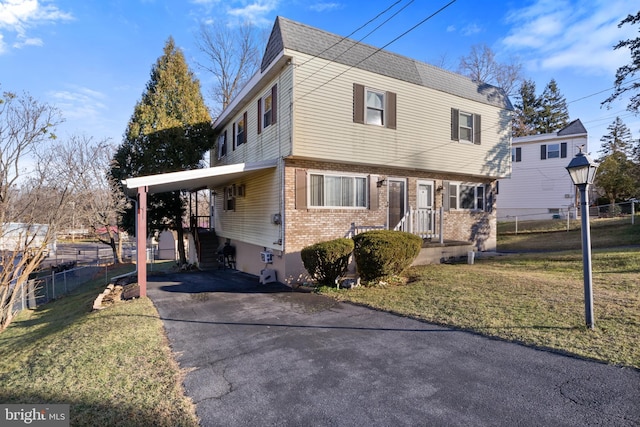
(465, 126)
(266, 115)
(516, 154)
(240, 131)
(374, 107)
(267, 109)
(222, 145)
(553, 151)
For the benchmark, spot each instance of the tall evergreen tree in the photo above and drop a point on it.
(617, 175)
(617, 140)
(553, 113)
(170, 130)
(526, 108)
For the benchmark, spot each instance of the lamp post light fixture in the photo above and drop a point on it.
(583, 171)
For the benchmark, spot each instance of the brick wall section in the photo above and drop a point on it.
(307, 226)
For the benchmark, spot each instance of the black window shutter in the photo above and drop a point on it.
(233, 144)
(274, 103)
(358, 103)
(477, 129)
(390, 119)
(563, 150)
(543, 151)
(518, 154)
(259, 116)
(455, 124)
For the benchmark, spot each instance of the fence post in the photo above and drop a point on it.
(516, 224)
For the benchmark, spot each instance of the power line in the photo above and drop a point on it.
(353, 45)
(353, 32)
(381, 48)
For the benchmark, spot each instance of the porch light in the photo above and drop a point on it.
(583, 171)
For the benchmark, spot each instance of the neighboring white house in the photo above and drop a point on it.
(540, 186)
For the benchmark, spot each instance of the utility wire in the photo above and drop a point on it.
(381, 48)
(353, 45)
(352, 33)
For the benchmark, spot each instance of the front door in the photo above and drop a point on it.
(425, 195)
(397, 201)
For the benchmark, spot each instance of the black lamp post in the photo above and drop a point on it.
(582, 171)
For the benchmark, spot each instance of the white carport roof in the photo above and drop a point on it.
(196, 179)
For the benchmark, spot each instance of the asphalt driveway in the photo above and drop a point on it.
(267, 356)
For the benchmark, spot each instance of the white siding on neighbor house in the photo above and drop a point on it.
(324, 126)
(537, 185)
(274, 141)
(251, 221)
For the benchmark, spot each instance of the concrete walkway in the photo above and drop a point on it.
(266, 356)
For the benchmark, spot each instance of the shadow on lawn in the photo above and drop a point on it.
(94, 412)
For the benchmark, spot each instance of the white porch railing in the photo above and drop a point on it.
(426, 223)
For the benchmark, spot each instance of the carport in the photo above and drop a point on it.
(190, 180)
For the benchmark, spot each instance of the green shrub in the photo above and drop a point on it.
(326, 261)
(381, 253)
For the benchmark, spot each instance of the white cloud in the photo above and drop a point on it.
(80, 103)
(558, 34)
(324, 7)
(255, 12)
(19, 16)
(471, 30)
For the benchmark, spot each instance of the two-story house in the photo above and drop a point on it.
(332, 136)
(540, 186)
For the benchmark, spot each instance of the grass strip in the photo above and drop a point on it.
(114, 366)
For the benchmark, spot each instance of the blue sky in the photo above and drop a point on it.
(92, 58)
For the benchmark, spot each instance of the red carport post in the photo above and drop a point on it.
(141, 239)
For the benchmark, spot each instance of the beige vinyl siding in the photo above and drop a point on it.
(274, 141)
(251, 221)
(323, 114)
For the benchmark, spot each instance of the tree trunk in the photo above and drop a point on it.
(181, 249)
(119, 250)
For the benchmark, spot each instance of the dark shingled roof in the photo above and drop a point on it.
(312, 41)
(573, 128)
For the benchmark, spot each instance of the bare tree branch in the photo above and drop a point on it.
(233, 57)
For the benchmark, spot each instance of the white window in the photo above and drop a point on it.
(466, 126)
(241, 128)
(553, 151)
(327, 190)
(222, 145)
(267, 109)
(469, 196)
(375, 108)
